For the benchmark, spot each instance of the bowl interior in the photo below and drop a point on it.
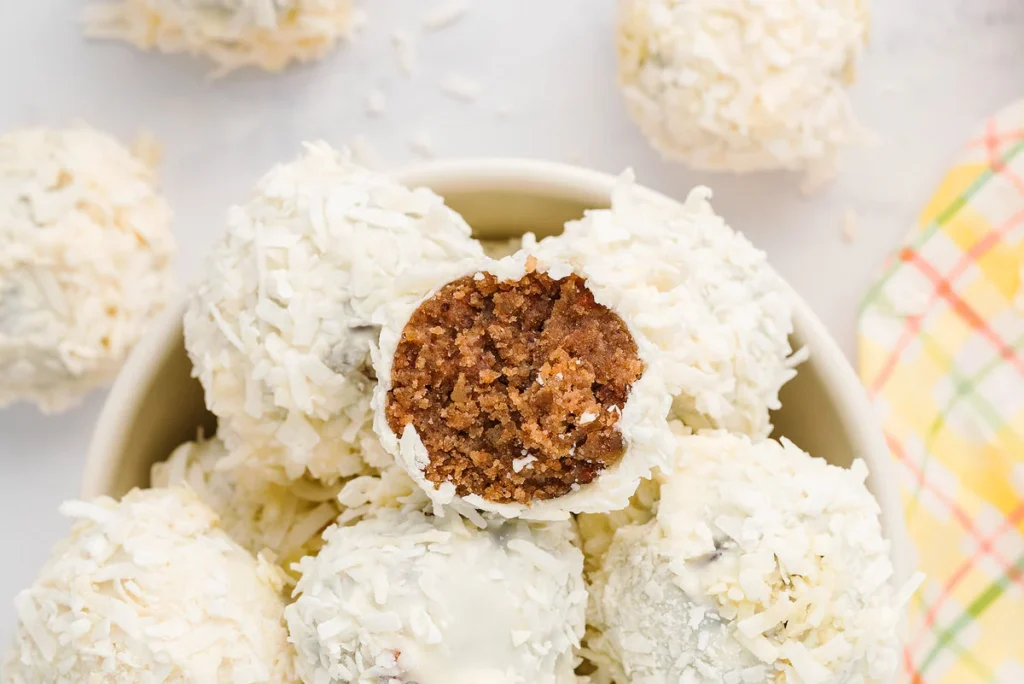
(156, 405)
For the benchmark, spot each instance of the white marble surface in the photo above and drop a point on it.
(934, 69)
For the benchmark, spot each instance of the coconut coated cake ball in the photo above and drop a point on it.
(268, 34)
(762, 564)
(402, 597)
(720, 316)
(85, 261)
(512, 389)
(744, 86)
(260, 514)
(280, 327)
(541, 384)
(150, 590)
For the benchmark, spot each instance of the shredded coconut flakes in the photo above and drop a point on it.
(459, 87)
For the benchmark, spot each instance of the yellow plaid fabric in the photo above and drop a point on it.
(942, 354)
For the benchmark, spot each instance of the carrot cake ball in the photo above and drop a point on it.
(745, 86)
(261, 515)
(541, 384)
(281, 324)
(85, 260)
(268, 34)
(404, 596)
(514, 390)
(150, 590)
(762, 564)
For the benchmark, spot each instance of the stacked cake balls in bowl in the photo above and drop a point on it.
(415, 456)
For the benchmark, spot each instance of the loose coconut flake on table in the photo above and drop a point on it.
(85, 260)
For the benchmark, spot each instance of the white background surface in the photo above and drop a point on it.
(934, 69)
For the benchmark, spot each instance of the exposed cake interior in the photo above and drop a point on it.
(515, 387)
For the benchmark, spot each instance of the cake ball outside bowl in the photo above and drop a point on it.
(744, 86)
(260, 514)
(768, 563)
(85, 260)
(401, 597)
(281, 324)
(150, 590)
(267, 34)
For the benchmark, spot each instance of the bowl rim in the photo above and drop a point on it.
(551, 179)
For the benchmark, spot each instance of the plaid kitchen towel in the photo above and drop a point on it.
(942, 355)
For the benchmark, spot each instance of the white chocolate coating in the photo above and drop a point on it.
(281, 326)
(652, 630)
(268, 34)
(773, 558)
(744, 86)
(150, 590)
(85, 261)
(403, 596)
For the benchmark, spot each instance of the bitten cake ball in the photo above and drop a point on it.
(744, 86)
(403, 597)
(85, 261)
(762, 564)
(542, 384)
(281, 325)
(268, 34)
(515, 390)
(150, 590)
(261, 515)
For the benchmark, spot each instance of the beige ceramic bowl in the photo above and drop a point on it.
(155, 405)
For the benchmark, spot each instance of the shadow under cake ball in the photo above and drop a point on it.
(281, 324)
(85, 260)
